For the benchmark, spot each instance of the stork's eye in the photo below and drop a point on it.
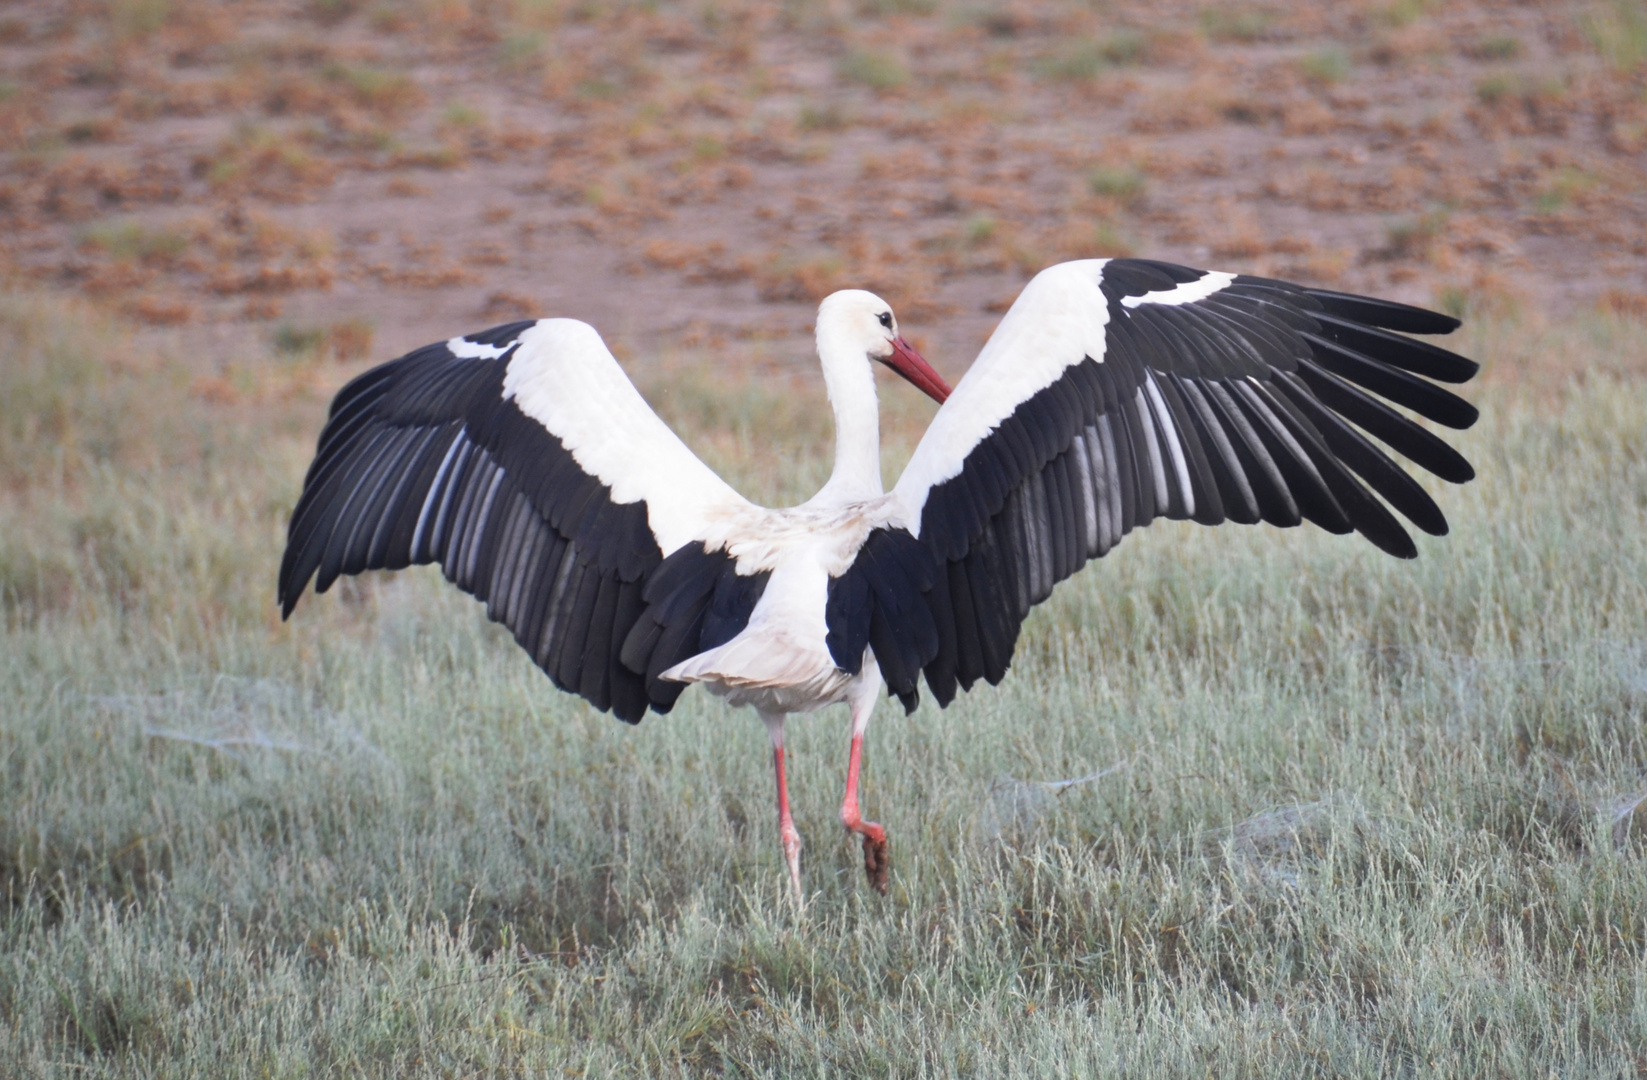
(886, 319)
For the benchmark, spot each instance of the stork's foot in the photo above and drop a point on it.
(877, 861)
(792, 857)
(877, 858)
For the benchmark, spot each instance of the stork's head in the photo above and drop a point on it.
(856, 321)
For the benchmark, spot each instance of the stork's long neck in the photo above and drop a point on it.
(851, 384)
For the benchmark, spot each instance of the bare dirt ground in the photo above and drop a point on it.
(364, 177)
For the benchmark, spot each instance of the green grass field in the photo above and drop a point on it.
(1369, 817)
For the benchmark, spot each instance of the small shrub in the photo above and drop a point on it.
(347, 340)
(333, 11)
(391, 93)
(1622, 302)
(428, 157)
(830, 117)
(1411, 237)
(599, 88)
(708, 148)
(133, 242)
(291, 339)
(1126, 47)
(1089, 59)
(266, 162)
(1124, 184)
(461, 114)
(1325, 67)
(138, 18)
(1186, 108)
(1401, 12)
(388, 17)
(1108, 242)
(1084, 60)
(1454, 300)
(521, 51)
(350, 339)
(159, 311)
(1619, 34)
(1495, 88)
(1513, 101)
(1223, 24)
(1562, 189)
(1494, 47)
(878, 71)
(807, 279)
(92, 129)
(897, 7)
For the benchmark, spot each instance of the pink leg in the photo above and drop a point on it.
(877, 862)
(790, 836)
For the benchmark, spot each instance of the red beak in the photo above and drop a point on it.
(912, 366)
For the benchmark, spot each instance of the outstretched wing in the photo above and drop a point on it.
(524, 461)
(1118, 391)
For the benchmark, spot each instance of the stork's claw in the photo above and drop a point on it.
(877, 862)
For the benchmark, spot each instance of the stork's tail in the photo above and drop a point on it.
(754, 660)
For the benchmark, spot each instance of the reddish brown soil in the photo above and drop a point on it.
(692, 177)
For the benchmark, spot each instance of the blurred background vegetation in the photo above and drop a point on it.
(693, 176)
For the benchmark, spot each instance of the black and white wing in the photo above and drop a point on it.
(1118, 391)
(525, 462)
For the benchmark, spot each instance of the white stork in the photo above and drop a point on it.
(1112, 393)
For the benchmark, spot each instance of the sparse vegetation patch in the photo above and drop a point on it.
(610, 127)
(876, 70)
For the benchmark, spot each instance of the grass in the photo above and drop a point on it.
(1496, 87)
(879, 71)
(1495, 47)
(1087, 59)
(1411, 238)
(1561, 189)
(1126, 47)
(522, 50)
(1619, 32)
(1371, 817)
(1124, 184)
(1326, 66)
(390, 93)
(132, 241)
(460, 114)
(138, 18)
(266, 162)
(897, 7)
(1227, 24)
(827, 117)
(1401, 12)
(980, 229)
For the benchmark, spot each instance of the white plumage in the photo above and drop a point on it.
(524, 461)
(1058, 320)
(566, 379)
